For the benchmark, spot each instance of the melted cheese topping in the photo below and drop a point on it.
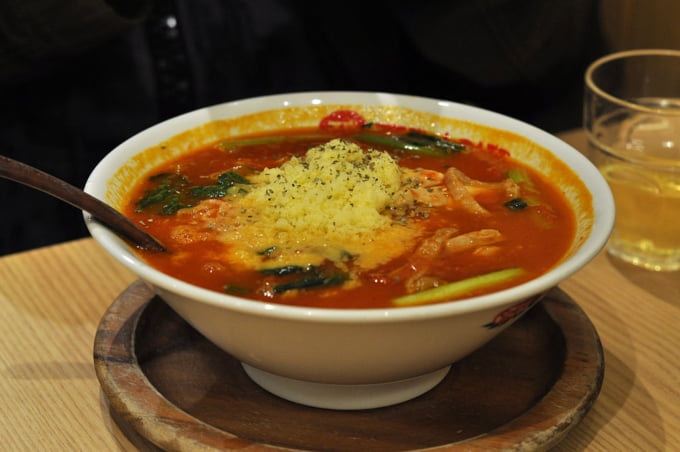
(327, 205)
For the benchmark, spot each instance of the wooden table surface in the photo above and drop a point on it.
(51, 301)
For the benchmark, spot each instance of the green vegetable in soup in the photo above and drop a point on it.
(167, 196)
(459, 288)
(174, 192)
(285, 270)
(311, 277)
(424, 139)
(516, 204)
(314, 281)
(219, 190)
(531, 202)
(417, 142)
(531, 193)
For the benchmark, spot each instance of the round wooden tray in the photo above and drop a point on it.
(523, 390)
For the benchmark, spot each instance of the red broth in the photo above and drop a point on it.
(533, 234)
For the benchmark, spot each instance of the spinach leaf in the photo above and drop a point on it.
(285, 270)
(167, 197)
(312, 281)
(174, 192)
(219, 190)
(311, 277)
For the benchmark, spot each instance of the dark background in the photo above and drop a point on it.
(79, 77)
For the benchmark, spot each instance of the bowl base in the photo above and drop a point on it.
(345, 397)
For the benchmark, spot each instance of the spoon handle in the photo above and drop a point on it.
(102, 212)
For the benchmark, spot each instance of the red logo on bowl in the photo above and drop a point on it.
(513, 312)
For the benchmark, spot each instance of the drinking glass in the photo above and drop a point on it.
(632, 120)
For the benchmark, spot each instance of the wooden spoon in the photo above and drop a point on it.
(100, 211)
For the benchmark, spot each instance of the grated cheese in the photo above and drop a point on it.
(325, 205)
(336, 187)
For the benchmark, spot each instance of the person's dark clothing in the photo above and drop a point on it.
(79, 77)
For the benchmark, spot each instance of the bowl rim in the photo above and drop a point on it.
(603, 208)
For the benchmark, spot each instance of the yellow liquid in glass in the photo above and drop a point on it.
(647, 229)
(638, 152)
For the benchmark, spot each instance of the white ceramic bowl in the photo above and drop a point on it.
(352, 359)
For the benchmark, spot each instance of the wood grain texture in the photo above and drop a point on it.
(522, 391)
(51, 301)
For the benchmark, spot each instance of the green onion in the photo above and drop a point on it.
(414, 142)
(459, 288)
(386, 140)
(423, 139)
(520, 177)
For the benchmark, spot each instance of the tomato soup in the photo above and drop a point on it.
(364, 216)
